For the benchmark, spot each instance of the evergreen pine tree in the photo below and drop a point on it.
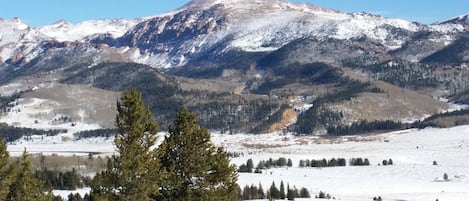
(290, 194)
(247, 193)
(25, 187)
(132, 174)
(195, 169)
(260, 192)
(304, 193)
(6, 173)
(274, 193)
(289, 163)
(282, 191)
(250, 165)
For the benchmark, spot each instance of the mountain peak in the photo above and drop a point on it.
(213, 2)
(461, 19)
(259, 5)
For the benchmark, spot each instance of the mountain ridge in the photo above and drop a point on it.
(250, 59)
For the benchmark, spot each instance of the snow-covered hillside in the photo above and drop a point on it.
(65, 31)
(18, 40)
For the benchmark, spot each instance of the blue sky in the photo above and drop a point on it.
(43, 12)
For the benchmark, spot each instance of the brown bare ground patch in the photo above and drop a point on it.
(288, 116)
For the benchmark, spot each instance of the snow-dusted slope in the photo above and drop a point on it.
(18, 40)
(259, 26)
(65, 31)
(214, 28)
(461, 19)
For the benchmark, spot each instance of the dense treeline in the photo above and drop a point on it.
(253, 192)
(323, 163)
(403, 74)
(265, 164)
(252, 116)
(7, 102)
(334, 162)
(11, 133)
(458, 117)
(17, 180)
(95, 133)
(319, 116)
(363, 127)
(69, 180)
(197, 171)
(220, 111)
(359, 162)
(310, 74)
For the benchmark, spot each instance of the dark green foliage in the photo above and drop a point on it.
(304, 193)
(289, 163)
(253, 192)
(302, 163)
(359, 162)
(243, 168)
(74, 197)
(293, 193)
(193, 168)
(282, 190)
(69, 180)
(95, 133)
(320, 116)
(267, 164)
(453, 54)
(10, 133)
(132, 174)
(57, 198)
(364, 127)
(310, 74)
(433, 121)
(323, 195)
(158, 91)
(385, 162)
(390, 162)
(244, 116)
(6, 102)
(25, 187)
(250, 165)
(6, 172)
(256, 192)
(403, 74)
(327, 163)
(315, 118)
(273, 192)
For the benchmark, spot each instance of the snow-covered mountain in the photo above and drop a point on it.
(65, 31)
(18, 41)
(462, 20)
(249, 44)
(211, 29)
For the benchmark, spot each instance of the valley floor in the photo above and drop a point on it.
(412, 177)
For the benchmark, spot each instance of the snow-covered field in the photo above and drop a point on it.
(412, 177)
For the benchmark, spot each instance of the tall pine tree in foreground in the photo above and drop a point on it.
(133, 173)
(6, 172)
(25, 187)
(194, 168)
